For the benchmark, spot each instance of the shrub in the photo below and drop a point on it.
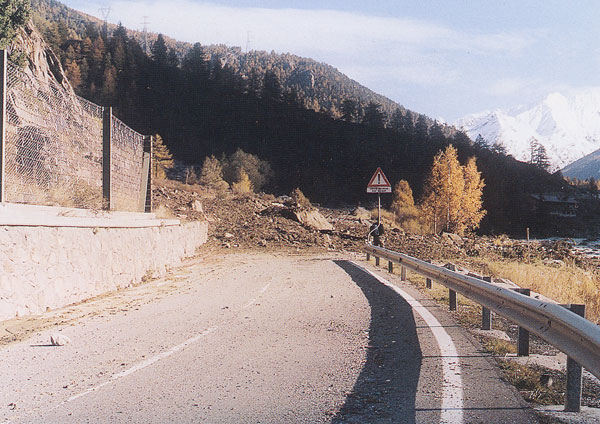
(244, 185)
(300, 198)
(258, 171)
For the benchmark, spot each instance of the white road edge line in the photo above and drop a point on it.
(142, 364)
(254, 299)
(452, 389)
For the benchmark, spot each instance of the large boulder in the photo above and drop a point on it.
(312, 218)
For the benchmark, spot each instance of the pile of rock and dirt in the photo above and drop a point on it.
(263, 221)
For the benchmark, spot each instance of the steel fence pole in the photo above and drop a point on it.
(3, 87)
(106, 158)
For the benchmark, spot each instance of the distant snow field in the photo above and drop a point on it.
(567, 126)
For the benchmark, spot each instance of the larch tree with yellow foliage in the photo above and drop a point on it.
(453, 194)
(443, 191)
(472, 197)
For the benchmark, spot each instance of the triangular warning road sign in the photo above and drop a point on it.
(379, 183)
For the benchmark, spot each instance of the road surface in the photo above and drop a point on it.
(254, 338)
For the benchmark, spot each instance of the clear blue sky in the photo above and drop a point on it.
(442, 58)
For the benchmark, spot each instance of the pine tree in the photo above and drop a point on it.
(539, 157)
(349, 110)
(397, 120)
(480, 141)
(159, 51)
(373, 116)
(271, 86)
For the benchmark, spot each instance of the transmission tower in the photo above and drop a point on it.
(105, 11)
(248, 40)
(145, 35)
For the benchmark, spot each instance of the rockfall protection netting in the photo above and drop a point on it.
(127, 155)
(54, 148)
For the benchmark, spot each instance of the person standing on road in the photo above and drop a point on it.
(376, 231)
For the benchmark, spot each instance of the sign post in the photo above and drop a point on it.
(379, 184)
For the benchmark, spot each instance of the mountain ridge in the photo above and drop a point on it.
(568, 126)
(322, 88)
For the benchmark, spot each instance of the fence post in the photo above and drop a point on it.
(145, 177)
(574, 374)
(523, 341)
(3, 87)
(149, 189)
(451, 293)
(486, 314)
(106, 154)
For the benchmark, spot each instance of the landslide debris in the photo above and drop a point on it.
(262, 221)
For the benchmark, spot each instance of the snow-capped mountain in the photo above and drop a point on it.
(567, 126)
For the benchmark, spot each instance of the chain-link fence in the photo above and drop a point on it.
(126, 157)
(54, 148)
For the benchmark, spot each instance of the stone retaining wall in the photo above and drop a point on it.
(45, 267)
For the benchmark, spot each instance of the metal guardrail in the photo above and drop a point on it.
(570, 333)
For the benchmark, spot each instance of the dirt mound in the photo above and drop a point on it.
(262, 221)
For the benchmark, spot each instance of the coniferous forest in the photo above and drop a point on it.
(202, 106)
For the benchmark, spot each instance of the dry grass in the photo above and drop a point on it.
(499, 347)
(563, 283)
(527, 380)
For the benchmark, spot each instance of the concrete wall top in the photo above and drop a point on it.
(12, 214)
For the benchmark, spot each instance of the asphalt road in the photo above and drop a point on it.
(256, 338)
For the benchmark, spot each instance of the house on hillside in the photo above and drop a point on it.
(555, 204)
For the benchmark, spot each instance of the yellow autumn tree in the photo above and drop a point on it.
(244, 185)
(162, 159)
(472, 203)
(443, 194)
(403, 207)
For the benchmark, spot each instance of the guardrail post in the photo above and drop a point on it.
(523, 340)
(368, 257)
(3, 83)
(428, 280)
(376, 260)
(486, 314)
(451, 293)
(390, 267)
(106, 153)
(452, 299)
(574, 374)
(403, 273)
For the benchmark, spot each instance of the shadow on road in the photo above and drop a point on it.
(386, 388)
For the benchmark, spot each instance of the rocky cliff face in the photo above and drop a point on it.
(41, 62)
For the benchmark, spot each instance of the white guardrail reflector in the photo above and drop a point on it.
(575, 336)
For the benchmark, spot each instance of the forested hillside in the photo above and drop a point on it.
(201, 106)
(316, 85)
